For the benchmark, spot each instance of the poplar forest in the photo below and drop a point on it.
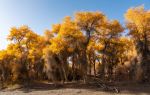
(87, 49)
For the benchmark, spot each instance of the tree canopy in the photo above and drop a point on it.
(87, 44)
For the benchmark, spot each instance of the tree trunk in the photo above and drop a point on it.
(94, 69)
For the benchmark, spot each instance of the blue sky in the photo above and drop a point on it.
(41, 14)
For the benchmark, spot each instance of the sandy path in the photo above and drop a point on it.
(75, 89)
(66, 91)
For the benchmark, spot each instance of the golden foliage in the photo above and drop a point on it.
(138, 21)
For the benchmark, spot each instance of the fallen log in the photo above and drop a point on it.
(104, 86)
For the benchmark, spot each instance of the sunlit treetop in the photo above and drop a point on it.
(66, 36)
(70, 30)
(55, 28)
(138, 21)
(136, 15)
(114, 27)
(110, 28)
(89, 21)
(18, 34)
(24, 36)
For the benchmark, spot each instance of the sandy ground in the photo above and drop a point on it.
(67, 92)
(76, 89)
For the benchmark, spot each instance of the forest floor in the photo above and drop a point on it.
(77, 88)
